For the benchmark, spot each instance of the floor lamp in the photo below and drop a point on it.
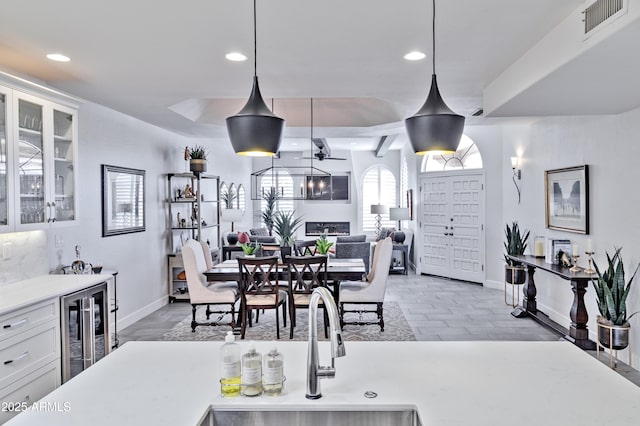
(399, 214)
(379, 209)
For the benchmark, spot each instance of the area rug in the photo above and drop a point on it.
(396, 327)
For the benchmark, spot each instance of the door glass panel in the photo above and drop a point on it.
(63, 139)
(4, 208)
(30, 166)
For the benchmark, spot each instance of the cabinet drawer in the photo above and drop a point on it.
(29, 389)
(27, 318)
(27, 352)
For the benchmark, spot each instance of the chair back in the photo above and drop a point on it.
(376, 254)
(206, 251)
(258, 276)
(195, 264)
(378, 285)
(306, 273)
(305, 248)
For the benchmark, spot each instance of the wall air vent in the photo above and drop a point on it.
(602, 11)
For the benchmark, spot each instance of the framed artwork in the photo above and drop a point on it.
(122, 200)
(567, 199)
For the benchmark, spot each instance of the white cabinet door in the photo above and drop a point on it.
(44, 155)
(6, 165)
(452, 224)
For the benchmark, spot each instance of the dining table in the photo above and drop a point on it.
(337, 270)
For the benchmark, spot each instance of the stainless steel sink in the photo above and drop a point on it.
(227, 417)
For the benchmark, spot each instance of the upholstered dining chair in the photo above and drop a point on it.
(260, 289)
(221, 294)
(305, 248)
(305, 274)
(369, 292)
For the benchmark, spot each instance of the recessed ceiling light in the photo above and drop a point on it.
(414, 56)
(235, 57)
(58, 57)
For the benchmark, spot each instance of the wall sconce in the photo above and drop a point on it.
(517, 173)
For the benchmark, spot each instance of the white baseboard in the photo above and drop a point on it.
(142, 312)
(497, 285)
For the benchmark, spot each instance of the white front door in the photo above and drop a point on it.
(452, 224)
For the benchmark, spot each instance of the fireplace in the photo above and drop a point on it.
(328, 228)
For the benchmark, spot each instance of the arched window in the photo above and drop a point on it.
(378, 187)
(282, 181)
(404, 186)
(466, 156)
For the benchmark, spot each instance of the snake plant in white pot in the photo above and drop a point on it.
(611, 293)
(515, 245)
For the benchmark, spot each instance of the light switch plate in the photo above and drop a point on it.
(6, 250)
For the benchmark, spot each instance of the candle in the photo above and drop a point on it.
(539, 247)
(589, 248)
(574, 250)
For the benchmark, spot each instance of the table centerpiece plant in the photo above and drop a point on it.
(611, 294)
(250, 249)
(323, 245)
(515, 245)
(285, 225)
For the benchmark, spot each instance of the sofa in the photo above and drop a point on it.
(353, 246)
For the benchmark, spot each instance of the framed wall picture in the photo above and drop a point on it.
(122, 200)
(567, 199)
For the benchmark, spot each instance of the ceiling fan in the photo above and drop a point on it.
(321, 156)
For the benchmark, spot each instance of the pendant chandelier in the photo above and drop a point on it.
(435, 128)
(255, 130)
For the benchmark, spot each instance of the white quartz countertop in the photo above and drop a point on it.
(449, 383)
(22, 293)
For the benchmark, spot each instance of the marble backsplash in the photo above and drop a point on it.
(28, 257)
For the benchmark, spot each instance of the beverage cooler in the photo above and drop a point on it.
(85, 327)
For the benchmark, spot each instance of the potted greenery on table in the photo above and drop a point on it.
(285, 225)
(323, 245)
(515, 245)
(611, 293)
(250, 249)
(197, 159)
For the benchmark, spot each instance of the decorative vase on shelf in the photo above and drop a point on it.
(197, 165)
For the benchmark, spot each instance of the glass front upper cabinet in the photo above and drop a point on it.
(63, 157)
(30, 164)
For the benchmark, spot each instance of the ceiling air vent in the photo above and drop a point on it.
(602, 11)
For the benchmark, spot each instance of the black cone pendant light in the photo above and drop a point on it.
(255, 130)
(435, 128)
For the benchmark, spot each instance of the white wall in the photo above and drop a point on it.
(109, 137)
(608, 144)
(356, 163)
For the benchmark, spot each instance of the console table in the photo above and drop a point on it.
(578, 332)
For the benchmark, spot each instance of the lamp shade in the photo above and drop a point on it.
(231, 215)
(435, 128)
(379, 209)
(399, 213)
(255, 130)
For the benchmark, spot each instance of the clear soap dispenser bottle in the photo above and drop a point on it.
(230, 368)
(251, 372)
(273, 373)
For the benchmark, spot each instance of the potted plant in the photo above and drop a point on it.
(197, 159)
(250, 249)
(269, 211)
(611, 293)
(285, 225)
(323, 245)
(515, 245)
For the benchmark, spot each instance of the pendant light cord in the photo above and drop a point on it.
(311, 144)
(433, 36)
(255, 42)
